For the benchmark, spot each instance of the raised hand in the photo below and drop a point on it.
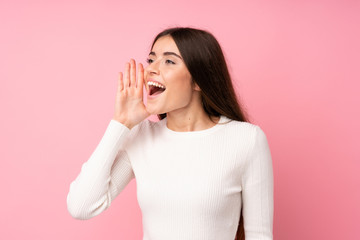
(129, 106)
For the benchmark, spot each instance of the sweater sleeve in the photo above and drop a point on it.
(257, 193)
(103, 176)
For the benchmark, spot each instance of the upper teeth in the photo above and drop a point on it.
(150, 83)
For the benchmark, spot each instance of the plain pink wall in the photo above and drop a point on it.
(296, 67)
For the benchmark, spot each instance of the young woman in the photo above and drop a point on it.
(203, 171)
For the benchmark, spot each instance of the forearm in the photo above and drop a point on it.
(93, 189)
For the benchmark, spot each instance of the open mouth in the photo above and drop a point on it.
(155, 88)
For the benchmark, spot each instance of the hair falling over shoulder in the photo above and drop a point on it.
(240, 234)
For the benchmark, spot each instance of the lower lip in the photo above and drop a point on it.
(154, 96)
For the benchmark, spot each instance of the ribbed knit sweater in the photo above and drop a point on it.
(190, 185)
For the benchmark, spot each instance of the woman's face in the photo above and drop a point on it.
(168, 81)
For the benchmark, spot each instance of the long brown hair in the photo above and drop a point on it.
(206, 63)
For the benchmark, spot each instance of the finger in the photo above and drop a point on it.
(120, 82)
(145, 73)
(126, 75)
(132, 73)
(140, 79)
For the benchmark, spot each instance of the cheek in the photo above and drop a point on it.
(179, 83)
(186, 84)
(182, 90)
(181, 80)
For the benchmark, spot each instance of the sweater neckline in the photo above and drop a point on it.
(195, 133)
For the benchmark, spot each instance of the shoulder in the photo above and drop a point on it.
(145, 130)
(253, 134)
(239, 127)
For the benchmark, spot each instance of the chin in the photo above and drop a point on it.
(153, 110)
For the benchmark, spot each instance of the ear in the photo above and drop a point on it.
(196, 87)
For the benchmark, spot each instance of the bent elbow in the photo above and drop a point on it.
(83, 209)
(75, 213)
(76, 210)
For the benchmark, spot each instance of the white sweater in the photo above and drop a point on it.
(190, 185)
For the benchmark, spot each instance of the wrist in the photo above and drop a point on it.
(123, 122)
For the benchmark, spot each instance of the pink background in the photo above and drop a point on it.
(296, 68)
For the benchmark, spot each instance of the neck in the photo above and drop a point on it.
(189, 121)
(190, 118)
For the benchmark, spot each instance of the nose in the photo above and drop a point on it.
(153, 68)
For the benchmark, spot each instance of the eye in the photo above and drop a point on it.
(169, 61)
(149, 60)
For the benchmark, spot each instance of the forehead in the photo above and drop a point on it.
(165, 44)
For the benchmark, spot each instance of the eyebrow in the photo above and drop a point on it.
(166, 54)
